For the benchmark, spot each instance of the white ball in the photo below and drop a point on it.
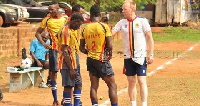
(26, 63)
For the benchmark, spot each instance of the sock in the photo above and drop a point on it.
(133, 103)
(77, 97)
(94, 103)
(114, 104)
(67, 98)
(144, 103)
(54, 90)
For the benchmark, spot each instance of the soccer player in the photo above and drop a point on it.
(96, 43)
(68, 60)
(53, 23)
(135, 32)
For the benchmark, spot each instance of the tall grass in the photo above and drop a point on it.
(185, 34)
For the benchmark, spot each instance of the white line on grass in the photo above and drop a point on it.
(152, 72)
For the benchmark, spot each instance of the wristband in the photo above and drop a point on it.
(151, 56)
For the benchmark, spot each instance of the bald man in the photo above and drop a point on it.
(53, 23)
(136, 35)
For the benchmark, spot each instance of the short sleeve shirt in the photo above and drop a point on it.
(67, 37)
(53, 26)
(133, 36)
(94, 35)
(38, 49)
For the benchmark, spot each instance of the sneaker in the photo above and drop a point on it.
(55, 103)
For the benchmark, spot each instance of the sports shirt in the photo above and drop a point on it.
(67, 37)
(53, 26)
(38, 49)
(133, 36)
(94, 35)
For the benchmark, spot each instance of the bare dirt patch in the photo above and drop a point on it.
(172, 85)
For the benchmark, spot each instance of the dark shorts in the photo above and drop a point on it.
(35, 63)
(98, 68)
(133, 68)
(67, 81)
(53, 60)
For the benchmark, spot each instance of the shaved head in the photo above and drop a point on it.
(53, 10)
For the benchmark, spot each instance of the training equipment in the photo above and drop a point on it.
(26, 63)
(101, 98)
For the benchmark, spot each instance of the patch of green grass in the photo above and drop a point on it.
(3, 60)
(185, 34)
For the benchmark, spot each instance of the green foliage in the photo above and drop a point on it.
(109, 5)
(178, 34)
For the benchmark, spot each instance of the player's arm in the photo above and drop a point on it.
(47, 56)
(39, 37)
(66, 55)
(35, 59)
(109, 47)
(150, 44)
(82, 46)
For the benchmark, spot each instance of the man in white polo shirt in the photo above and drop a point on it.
(136, 32)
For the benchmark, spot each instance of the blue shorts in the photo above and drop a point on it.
(133, 68)
(66, 79)
(98, 68)
(53, 60)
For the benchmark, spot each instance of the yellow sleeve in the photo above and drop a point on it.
(44, 22)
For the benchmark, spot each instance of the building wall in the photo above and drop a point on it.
(12, 40)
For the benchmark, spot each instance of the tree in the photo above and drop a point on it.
(110, 5)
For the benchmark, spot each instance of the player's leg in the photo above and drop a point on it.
(132, 91)
(141, 72)
(107, 75)
(93, 89)
(46, 66)
(54, 70)
(132, 79)
(68, 84)
(94, 79)
(78, 84)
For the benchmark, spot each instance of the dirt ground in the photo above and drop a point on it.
(42, 96)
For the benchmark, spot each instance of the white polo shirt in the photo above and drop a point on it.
(133, 36)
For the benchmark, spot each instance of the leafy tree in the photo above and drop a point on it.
(109, 5)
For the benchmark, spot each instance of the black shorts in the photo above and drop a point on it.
(98, 68)
(53, 60)
(35, 63)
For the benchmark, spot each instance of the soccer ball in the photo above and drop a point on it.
(26, 63)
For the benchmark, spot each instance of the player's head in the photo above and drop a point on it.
(94, 11)
(77, 8)
(75, 21)
(45, 36)
(128, 8)
(54, 9)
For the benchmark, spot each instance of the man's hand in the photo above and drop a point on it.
(39, 64)
(47, 46)
(72, 74)
(150, 59)
(109, 55)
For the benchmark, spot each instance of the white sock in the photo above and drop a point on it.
(144, 103)
(133, 103)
